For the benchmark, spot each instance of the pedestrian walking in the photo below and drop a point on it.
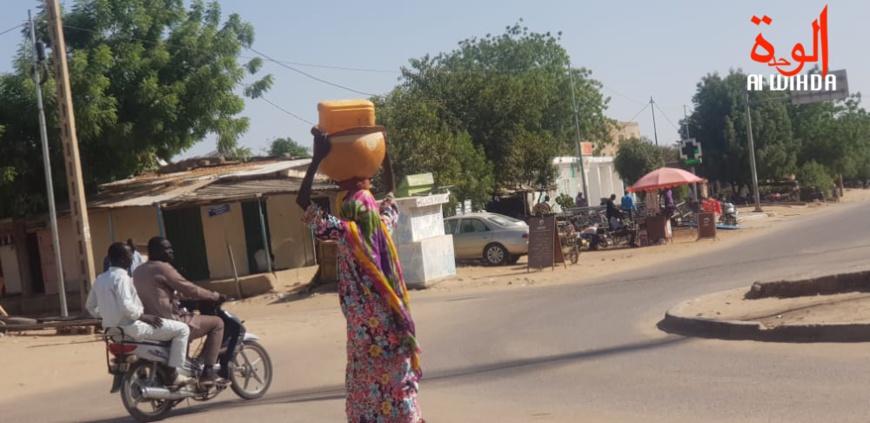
(383, 364)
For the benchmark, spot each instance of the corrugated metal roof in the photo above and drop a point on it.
(232, 170)
(145, 195)
(274, 176)
(236, 191)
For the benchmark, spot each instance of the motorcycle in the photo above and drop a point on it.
(572, 246)
(141, 374)
(729, 214)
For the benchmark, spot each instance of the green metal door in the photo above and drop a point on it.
(184, 231)
(253, 231)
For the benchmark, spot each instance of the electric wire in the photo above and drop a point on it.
(12, 29)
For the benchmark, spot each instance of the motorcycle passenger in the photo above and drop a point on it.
(590, 233)
(158, 282)
(113, 298)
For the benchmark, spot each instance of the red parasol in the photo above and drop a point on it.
(666, 177)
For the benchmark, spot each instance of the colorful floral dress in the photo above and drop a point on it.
(383, 366)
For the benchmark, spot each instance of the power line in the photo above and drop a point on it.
(666, 117)
(287, 111)
(287, 64)
(344, 68)
(12, 29)
(635, 116)
(623, 95)
(267, 57)
(260, 54)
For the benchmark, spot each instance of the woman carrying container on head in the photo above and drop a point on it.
(383, 366)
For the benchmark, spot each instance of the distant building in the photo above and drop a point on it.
(601, 178)
(620, 132)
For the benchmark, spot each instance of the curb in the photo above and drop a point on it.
(677, 323)
(752, 216)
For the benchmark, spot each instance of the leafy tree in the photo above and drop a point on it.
(836, 135)
(565, 201)
(814, 177)
(511, 94)
(637, 157)
(420, 142)
(150, 78)
(833, 135)
(282, 146)
(7, 174)
(719, 120)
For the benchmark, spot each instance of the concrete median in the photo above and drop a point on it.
(826, 308)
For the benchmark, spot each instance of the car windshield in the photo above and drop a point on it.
(505, 221)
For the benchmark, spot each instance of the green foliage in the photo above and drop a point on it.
(832, 137)
(7, 174)
(719, 122)
(419, 142)
(813, 176)
(282, 146)
(565, 201)
(511, 95)
(149, 78)
(637, 157)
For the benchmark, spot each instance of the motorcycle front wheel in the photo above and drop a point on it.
(574, 255)
(251, 371)
(141, 375)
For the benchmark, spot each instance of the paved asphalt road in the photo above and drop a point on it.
(576, 352)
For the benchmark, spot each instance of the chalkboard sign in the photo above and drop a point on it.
(545, 250)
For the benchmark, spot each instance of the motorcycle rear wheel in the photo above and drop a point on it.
(244, 368)
(141, 374)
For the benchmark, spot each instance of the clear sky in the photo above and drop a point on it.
(638, 49)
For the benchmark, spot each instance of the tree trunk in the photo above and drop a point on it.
(842, 190)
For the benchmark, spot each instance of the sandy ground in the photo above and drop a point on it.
(37, 362)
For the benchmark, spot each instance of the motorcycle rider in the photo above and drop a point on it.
(113, 298)
(157, 282)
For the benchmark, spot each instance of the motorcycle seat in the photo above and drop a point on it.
(117, 335)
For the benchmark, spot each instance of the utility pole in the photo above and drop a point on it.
(752, 157)
(686, 121)
(38, 59)
(653, 109)
(686, 126)
(577, 126)
(77, 201)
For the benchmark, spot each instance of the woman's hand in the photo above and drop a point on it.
(322, 146)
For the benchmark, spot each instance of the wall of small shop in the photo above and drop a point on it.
(220, 231)
(139, 223)
(292, 244)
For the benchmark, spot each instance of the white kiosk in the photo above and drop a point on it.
(425, 252)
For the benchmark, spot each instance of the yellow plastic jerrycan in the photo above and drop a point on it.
(358, 146)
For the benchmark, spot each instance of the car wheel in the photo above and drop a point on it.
(495, 255)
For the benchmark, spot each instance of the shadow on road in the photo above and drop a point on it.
(539, 363)
(329, 393)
